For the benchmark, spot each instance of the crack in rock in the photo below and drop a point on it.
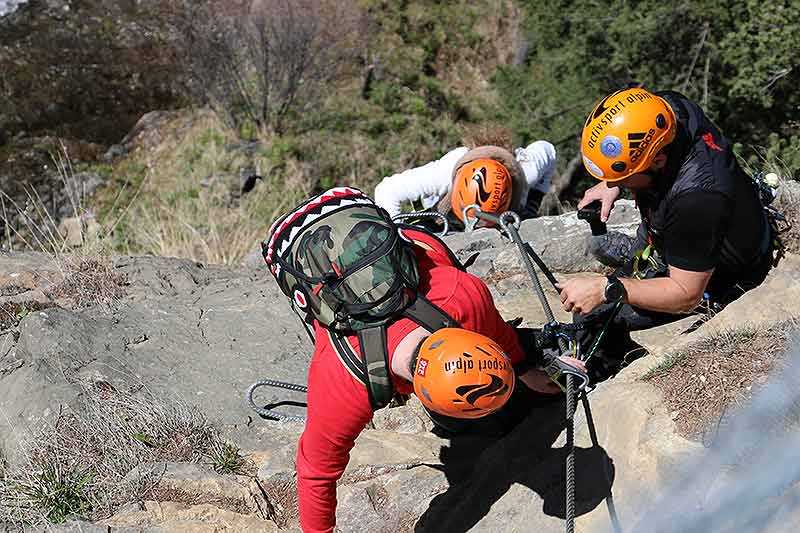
(366, 473)
(200, 327)
(11, 367)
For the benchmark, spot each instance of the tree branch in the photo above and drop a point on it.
(551, 203)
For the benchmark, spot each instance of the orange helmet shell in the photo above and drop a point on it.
(462, 374)
(624, 132)
(485, 182)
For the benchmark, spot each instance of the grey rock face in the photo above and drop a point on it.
(563, 242)
(204, 333)
(201, 334)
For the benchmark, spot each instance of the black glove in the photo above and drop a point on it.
(529, 341)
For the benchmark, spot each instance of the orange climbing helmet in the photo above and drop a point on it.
(624, 132)
(485, 182)
(462, 374)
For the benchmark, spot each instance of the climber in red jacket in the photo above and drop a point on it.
(338, 406)
(355, 273)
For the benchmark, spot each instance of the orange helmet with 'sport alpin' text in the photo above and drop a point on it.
(462, 374)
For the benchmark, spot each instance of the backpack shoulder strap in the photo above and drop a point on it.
(375, 351)
(372, 368)
(428, 315)
(348, 356)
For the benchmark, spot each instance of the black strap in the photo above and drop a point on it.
(372, 368)
(426, 314)
(375, 362)
(348, 356)
(471, 260)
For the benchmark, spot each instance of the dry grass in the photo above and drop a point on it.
(87, 277)
(11, 313)
(172, 494)
(191, 203)
(89, 280)
(704, 381)
(788, 203)
(81, 466)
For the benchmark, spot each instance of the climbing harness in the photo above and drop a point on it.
(576, 381)
(417, 215)
(270, 413)
(646, 263)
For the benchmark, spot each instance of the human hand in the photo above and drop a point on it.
(582, 295)
(539, 381)
(577, 363)
(607, 196)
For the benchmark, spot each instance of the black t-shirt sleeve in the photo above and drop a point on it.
(694, 230)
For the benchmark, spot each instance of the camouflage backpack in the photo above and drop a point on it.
(344, 263)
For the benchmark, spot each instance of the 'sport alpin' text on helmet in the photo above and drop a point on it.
(462, 374)
(485, 182)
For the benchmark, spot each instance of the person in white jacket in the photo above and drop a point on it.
(431, 182)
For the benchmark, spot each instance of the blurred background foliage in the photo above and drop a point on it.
(352, 91)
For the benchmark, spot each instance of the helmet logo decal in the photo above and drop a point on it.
(462, 363)
(593, 168)
(422, 367)
(611, 146)
(638, 142)
(479, 177)
(600, 125)
(473, 393)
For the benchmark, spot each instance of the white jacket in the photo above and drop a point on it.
(432, 181)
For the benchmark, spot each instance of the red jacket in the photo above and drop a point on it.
(338, 406)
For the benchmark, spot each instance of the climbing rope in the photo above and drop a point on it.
(270, 413)
(509, 222)
(425, 214)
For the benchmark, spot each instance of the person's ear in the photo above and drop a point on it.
(659, 161)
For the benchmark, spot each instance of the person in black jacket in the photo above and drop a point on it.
(704, 238)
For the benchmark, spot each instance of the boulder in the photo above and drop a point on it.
(204, 333)
(561, 241)
(78, 231)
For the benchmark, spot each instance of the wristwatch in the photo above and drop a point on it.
(615, 290)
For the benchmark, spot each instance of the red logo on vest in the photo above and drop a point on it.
(709, 139)
(422, 367)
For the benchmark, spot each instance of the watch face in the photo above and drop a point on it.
(614, 290)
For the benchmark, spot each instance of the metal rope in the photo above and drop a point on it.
(509, 221)
(269, 413)
(425, 214)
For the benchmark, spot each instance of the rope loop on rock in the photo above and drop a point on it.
(270, 413)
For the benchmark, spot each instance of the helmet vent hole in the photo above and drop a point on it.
(619, 166)
(661, 122)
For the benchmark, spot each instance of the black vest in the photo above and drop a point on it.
(700, 158)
